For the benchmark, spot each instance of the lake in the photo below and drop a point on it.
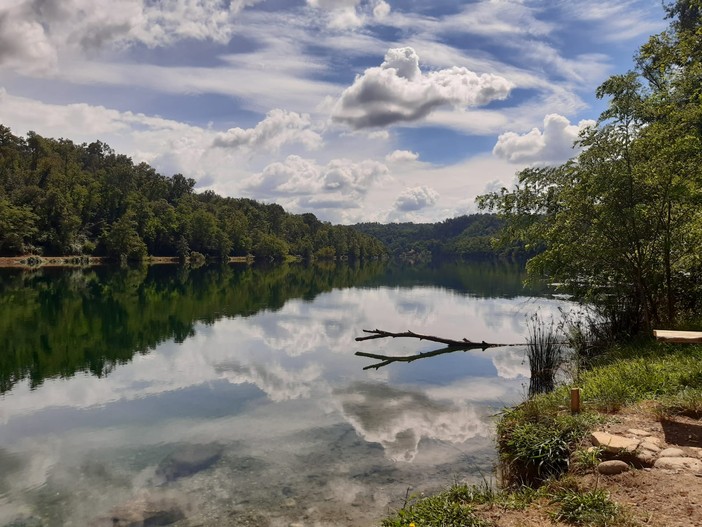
(231, 395)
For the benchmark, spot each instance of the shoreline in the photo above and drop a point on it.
(35, 262)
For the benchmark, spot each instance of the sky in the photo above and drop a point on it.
(355, 110)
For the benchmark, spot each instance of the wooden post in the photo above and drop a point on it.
(575, 400)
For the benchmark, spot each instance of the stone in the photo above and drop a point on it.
(614, 444)
(679, 463)
(651, 447)
(646, 457)
(638, 432)
(671, 452)
(150, 509)
(655, 440)
(188, 460)
(610, 468)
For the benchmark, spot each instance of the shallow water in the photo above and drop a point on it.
(105, 374)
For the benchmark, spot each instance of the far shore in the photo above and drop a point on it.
(31, 261)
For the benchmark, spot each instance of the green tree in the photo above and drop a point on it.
(620, 224)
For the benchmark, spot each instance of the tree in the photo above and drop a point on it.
(621, 224)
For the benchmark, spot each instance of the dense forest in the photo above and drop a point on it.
(620, 225)
(460, 237)
(60, 198)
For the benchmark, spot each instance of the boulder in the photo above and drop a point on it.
(188, 460)
(147, 509)
(638, 432)
(679, 463)
(651, 447)
(671, 452)
(613, 444)
(610, 468)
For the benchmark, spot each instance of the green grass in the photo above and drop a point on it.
(652, 371)
(536, 440)
(591, 508)
(451, 508)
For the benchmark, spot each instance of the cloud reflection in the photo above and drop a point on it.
(399, 419)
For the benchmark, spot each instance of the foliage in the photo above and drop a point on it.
(536, 440)
(591, 508)
(448, 509)
(60, 198)
(545, 354)
(654, 371)
(620, 225)
(460, 237)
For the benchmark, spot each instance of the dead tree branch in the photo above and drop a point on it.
(451, 346)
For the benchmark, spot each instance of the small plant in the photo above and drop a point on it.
(545, 353)
(592, 508)
(448, 509)
(587, 459)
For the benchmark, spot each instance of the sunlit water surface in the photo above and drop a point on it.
(306, 436)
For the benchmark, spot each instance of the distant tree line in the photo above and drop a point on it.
(60, 198)
(463, 237)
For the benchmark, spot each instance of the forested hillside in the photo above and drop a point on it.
(61, 198)
(461, 237)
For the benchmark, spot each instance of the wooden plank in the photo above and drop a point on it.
(666, 335)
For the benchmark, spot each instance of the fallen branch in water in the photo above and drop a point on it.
(451, 346)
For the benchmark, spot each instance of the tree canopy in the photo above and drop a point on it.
(61, 198)
(620, 225)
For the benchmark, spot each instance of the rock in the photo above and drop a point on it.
(31, 521)
(188, 460)
(646, 457)
(614, 444)
(637, 432)
(679, 463)
(610, 468)
(651, 447)
(671, 452)
(655, 440)
(290, 503)
(146, 509)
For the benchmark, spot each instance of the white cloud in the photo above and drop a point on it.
(552, 145)
(297, 175)
(351, 14)
(34, 33)
(398, 91)
(416, 198)
(401, 156)
(278, 128)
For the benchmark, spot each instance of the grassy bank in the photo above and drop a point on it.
(541, 446)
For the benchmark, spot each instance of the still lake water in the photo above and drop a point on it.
(106, 373)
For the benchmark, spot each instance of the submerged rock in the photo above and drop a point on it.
(188, 460)
(31, 521)
(145, 510)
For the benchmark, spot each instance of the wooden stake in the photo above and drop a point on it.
(575, 400)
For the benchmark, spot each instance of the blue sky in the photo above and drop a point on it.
(355, 110)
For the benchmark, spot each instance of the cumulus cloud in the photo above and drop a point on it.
(297, 175)
(401, 156)
(554, 144)
(416, 198)
(350, 14)
(278, 128)
(398, 91)
(34, 33)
